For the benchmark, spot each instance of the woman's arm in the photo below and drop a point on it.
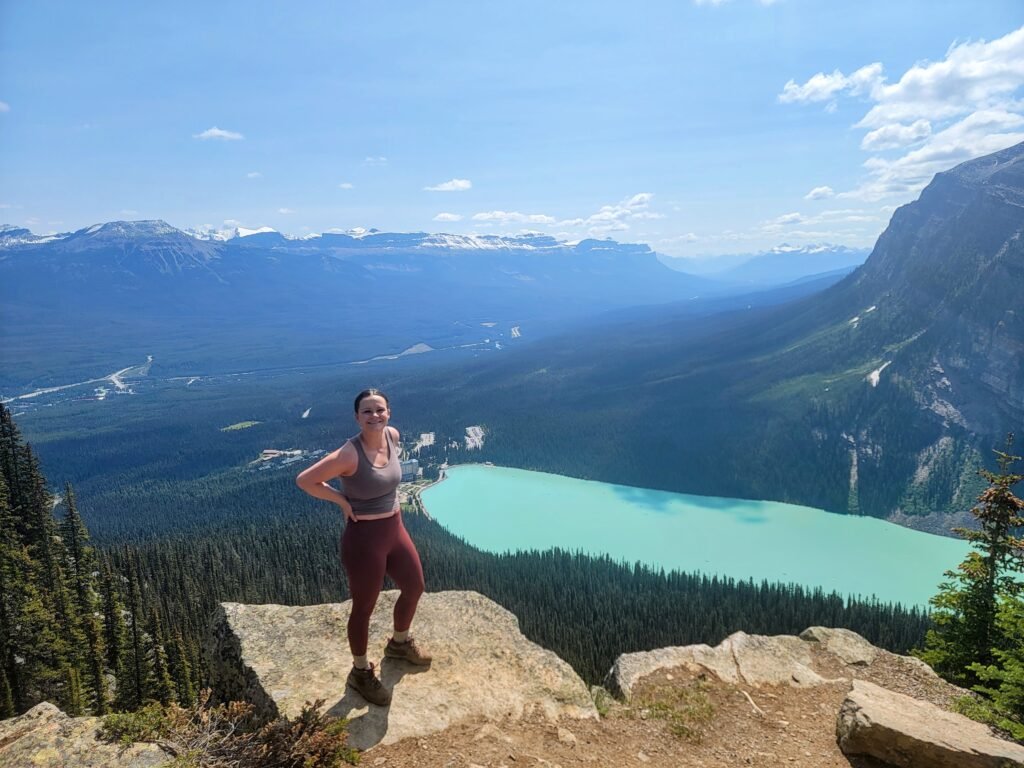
(341, 463)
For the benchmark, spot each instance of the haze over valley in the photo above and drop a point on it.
(879, 394)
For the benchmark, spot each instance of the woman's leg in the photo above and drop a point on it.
(364, 557)
(405, 569)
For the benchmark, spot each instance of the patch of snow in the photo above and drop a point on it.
(854, 321)
(305, 413)
(516, 333)
(876, 374)
(872, 308)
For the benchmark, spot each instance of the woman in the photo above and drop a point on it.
(375, 542)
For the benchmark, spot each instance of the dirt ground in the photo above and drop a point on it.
(682, 718)
(676, 718)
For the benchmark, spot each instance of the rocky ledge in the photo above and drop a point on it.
(45, 737)
(825, 698)
(279, 657)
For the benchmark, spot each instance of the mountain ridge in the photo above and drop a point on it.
(880, 395)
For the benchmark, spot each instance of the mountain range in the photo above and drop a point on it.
(879, 395)
(90, 300)
(779, 265)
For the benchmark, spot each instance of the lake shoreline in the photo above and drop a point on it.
(501, 509)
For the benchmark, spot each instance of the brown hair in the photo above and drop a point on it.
(370, 393)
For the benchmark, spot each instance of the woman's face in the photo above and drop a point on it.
(373, 413)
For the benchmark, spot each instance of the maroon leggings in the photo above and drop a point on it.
(369, 549)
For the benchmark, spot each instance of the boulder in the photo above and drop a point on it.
(740, 658)
(45, 737)
(279, 657)
(846, 645)
(903, 731)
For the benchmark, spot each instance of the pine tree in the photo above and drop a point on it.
(161, 688)
(1003, 681)
(33, 652)
(134, 675)
(965, 634)
(181, 670)
(81, 569)
(114, 628)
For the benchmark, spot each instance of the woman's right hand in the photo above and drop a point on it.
(346, 509)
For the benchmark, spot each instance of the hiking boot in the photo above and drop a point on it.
(369, 686)
(407, 651)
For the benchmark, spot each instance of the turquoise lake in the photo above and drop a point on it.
(498, 509)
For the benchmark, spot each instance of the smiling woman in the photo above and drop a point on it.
(375, 541)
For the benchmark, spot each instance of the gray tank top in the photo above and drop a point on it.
(373, 491)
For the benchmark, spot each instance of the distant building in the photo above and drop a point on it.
(410, 470)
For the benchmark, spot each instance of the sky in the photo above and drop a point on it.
(699, 127)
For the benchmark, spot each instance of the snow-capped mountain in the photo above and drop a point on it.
(149, 286)
(782, 264)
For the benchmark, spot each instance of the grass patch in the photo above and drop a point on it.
(687, 710)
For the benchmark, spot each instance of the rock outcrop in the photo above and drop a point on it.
(740, 658)
(492, 695)
(279, 657)
(906, 732)
(45, 737)
(895, 728)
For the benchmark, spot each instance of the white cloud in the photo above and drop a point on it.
(346, 185)
(378, 160)
(218, 133)
(822, 87)
(506, 217)
(455, 185)
(448, 217)
(254, 175)
(896, 135)
(609, 218)
(936, 115)
(285, 211)
(981, 133)
(689, 237)
(781, 222)
(616, 218)
(4, 106)
(973, 76)
(820, 193)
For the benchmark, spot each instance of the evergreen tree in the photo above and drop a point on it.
(1003, 681)
(181, 670)
(161, 686)
(82, 573)
(134, 675)
(965, 634)
(114, 627)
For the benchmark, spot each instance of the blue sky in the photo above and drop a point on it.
(696, 127)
